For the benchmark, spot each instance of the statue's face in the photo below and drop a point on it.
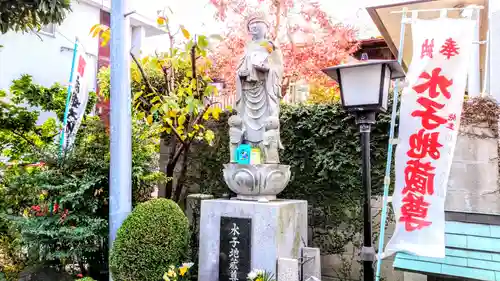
(258, 30)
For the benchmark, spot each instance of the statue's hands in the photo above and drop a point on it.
(264, 67)
(244, 73)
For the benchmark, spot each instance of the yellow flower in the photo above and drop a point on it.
(182, 270)
(165, 277)
(259, 279)
(171, 273)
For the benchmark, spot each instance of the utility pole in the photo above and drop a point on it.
(120, 185)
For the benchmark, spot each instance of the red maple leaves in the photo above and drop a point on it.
(309, 42)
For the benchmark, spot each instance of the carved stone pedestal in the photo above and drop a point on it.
(260, 233)
(260, 182)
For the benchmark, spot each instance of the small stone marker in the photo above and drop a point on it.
(235, 249)
(312, 263)
(288, 269)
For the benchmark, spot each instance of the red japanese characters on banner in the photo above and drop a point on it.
(431, 106)
(427, 48)
(419, 176)
(450, 48)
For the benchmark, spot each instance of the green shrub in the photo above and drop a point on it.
(71, 196)
(85, 279)
(151, 239)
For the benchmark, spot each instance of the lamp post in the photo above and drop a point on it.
(364, 91)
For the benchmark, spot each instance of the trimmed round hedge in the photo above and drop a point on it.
(153, 237)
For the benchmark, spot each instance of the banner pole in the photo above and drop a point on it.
(68, 100)
(387, 178)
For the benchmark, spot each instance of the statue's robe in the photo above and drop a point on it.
(258, 94)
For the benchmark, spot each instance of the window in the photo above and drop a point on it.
(49, 29)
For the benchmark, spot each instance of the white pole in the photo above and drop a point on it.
(474, 76)
(120, 185)
(494, 46)
(486, 72)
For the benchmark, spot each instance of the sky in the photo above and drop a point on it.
(200, 19)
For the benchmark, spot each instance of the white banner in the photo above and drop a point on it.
(430, 111)
(79, 97)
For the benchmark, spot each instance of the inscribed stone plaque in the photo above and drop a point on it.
(235, 248)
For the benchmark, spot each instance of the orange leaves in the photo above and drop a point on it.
(185, 32)
(162, 20)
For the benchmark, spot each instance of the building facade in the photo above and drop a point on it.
(47, 55)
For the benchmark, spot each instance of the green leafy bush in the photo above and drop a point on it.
(153, 237)
(61, 206)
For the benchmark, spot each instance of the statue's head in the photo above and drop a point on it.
(272, 123)
(235, 121)
(258, 26)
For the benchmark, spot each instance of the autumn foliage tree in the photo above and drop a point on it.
(309, 39)
(173, 91)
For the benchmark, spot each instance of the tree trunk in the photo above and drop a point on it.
(182, 176)
(169, 173)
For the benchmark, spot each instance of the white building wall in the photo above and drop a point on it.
(48, 58)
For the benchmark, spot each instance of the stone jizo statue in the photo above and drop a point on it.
(255, 129)
(258, 82)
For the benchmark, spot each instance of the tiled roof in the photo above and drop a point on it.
(472, 251)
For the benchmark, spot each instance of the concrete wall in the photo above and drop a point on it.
(473, 183)
(333, 266)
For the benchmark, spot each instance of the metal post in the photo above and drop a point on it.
(387, 178)
(365, 120)
(120, 185)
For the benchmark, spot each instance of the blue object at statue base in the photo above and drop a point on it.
(243, 154)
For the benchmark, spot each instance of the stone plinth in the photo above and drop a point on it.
(278, 230)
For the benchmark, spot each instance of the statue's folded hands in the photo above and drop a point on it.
(262, 67)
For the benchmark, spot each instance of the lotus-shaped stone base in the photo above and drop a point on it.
(260, 182)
